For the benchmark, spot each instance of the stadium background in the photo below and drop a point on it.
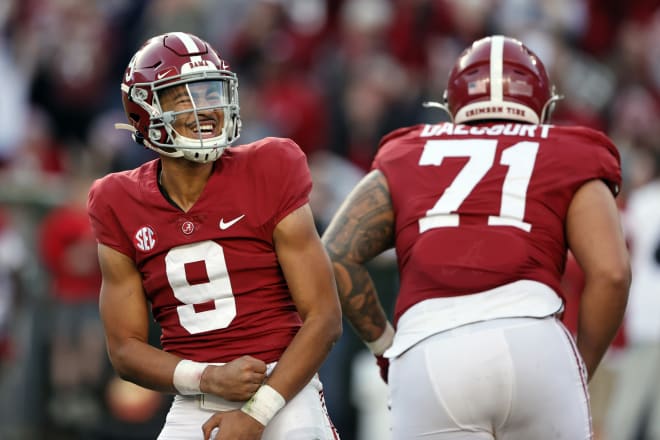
(334, 75)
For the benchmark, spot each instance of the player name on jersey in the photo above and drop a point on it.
(509, 129)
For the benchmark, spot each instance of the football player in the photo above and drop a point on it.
(481, 211)
(220, 243)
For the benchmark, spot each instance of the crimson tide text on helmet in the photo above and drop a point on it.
(175, 59)
(498, 77)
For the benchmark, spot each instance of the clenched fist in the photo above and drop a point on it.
(237, 380)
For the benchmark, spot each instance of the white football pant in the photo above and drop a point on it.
(303, 418)
(511, 378)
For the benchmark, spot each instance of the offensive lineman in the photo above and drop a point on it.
(481, 212)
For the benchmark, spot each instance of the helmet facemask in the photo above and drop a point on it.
(194, 115)
(549, 107)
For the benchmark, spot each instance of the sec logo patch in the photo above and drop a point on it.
(145, 239)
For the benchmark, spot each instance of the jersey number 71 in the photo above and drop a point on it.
(520, 159)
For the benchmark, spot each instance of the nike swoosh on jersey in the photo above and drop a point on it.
(224, 225)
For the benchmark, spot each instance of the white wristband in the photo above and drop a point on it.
(187, 377)
(264, 404)
(383, 342)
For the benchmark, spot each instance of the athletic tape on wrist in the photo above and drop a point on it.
(383, 342)
(264, 404)
(188, 376)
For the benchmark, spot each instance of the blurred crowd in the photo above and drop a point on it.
(333, 75)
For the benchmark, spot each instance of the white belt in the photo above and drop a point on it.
(523, 298)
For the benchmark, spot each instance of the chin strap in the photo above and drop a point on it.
(136, 135)
(427, 104)
(434, 104)
(121, 126)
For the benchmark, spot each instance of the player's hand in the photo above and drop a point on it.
(232, 425)
(384, 365)
(236, 380)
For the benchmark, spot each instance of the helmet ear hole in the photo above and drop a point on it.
(137, 137)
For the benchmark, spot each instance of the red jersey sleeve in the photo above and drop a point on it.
(284, 171)
(104, 218)
(594, 156)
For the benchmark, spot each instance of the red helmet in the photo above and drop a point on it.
(176, 59)
(499, 78)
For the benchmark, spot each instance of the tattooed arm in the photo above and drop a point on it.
(361, 229)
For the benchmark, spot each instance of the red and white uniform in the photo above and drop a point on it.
(211, 274)
(479, 216)
(498, 203)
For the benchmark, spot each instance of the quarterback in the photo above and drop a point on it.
(220, 244)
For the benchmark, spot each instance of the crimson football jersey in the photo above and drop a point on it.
(211, 274)
(477, 207)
